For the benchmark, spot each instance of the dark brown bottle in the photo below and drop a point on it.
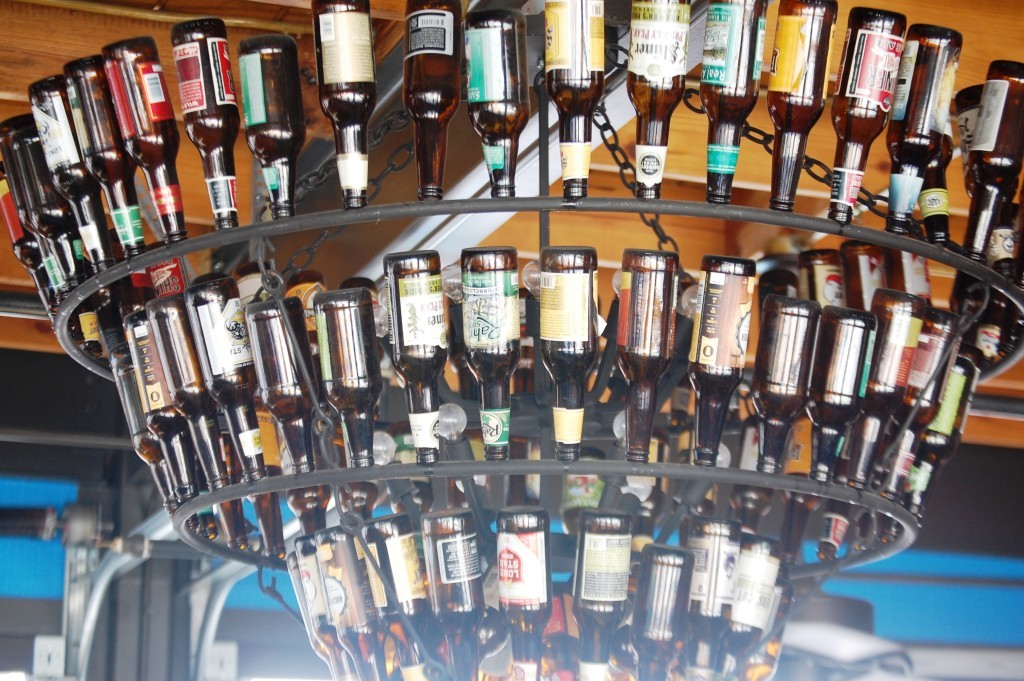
(941, 438)
(863, 273)
(350, 366)
(716, 547)
(285, 396)
(162, 418)
(834, 524)
(568, 337)
(186, 391)
(863, 99)
(729, 81)
(646, 332)
(750, 504)
(995, 162)
(67, 171)
(524, 583)
(837, 382)
(275, 127)
(418, 340)
(934, 198)
(350, 607)
(660, 609)
(781, 369)
(966, 109)
(348, 89)
(899, 318)
(497, 89)
(600, 585)
(455, 584)
(431, 84)
(103, 148)
(143, 107)
(490, 327)
(392, 541)
(574, 74)
(26, 246)
(920, 111)
(656, 71)
(925, 382)
(753, 610)
(796, 88)
(225, 355)
(719, 346)
(762, 664)
(990, 333)
(821, 277)
(210, 108)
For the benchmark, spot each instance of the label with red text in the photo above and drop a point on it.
(522, 572)
(154, 90)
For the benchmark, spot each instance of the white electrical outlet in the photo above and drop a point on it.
(48, 657)
(221, 663)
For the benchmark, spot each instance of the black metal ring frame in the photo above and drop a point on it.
(399, 211)
(864, 499)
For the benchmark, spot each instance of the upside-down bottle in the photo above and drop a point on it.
(524, 583)
(661, 615)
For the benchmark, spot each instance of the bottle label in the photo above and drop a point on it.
(722, 323)
(904, 80)
(346, 47)
(251, 443)
(897, 352)
(581, 491)
(566, 302)
(833, 529)
(424, 429)
(828, 284)
(167, 277)
(494, 424)
(353, 170)
(605, 572)
(268, 437)
(714, 572)
(762, 26)
(933, 202)
(575, 157)
(568, 425)
(949, 405)
(90, 234)
(919, 477)
(223, 81)
(967, 123)
(323, 343)
(903, 193)
(10, 213)
(406, 571)
(749, 447)
(79, 250)
(458, 559)
(227, 338)
(722, 43)
(702, 674)
(305, 293)
(414, 672)
(149, 372)
(846, 184)
(270, 178)
(167, 200)
(223, 194)
(938, 118)
(650, 162)
(422, 304)
(657, 41)
(641, 305)
(525, 671)
(876, 61)
(430, 32)
(75, 103)
(926, 360)
(312, 591)
(593, 671)
(572, 41)
(905, 457)
(187, 62)
(128, 224)
(755, 589)
(486, 78)
(89, 325)
(788, 68)
(868, 359)
(1002, 245)
(870, 269)
(154, 89)
(55, 133)
(254, 99)
(722, 158)
(494, 157)
(915, 275)
(119, 95)
(377, 591)
(54, 272)
(490, 310)
(522, 569)
(247, 286)
(987, 340)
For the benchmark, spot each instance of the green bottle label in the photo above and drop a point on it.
(53, 272)
(487, 80)
(722, 34)
(949, 404)
(495, 426)
(128, 225)
(79, 249)
(324, 347)
(494, 157)
(271, 179)
(722, 158)
(253, 97)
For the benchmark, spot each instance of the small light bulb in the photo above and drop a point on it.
(381, 320)
(451, 282)
(724, 459)
(384, 448)
(619, 426)
(531, 278)
(687, 305)
(451, 422)
(617, 282)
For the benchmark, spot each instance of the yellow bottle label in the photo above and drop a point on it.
(568, 425)
(575, 160)
(305, 293)
(90, 327)
(268, 438)
(346, 46)
(789, 56)
(574, 35)
(565, 305)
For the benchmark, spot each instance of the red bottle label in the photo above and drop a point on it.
(168, 277)
(154, 91)
(10, 213)
(876, 61)
(220, 59)
(190, 77)
(168, 200)
(122, 105)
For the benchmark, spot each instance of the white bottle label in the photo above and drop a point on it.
(605, 573)
(755, 589)
(55, 133)
(346, 47)
(522, 569)
(424, 430)
(714, 572)
(226, 336)
(650, 164)
(430, 32)
(657, 41)
(993, 98)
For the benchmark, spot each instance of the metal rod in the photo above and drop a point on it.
(22, 305)
(54, 438)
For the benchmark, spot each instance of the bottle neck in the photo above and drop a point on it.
(641, 397)
(358, 437)
(773, 434)
(787, 164)
(431, 143)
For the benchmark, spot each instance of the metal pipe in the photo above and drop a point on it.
(21, 305)
(51, 438)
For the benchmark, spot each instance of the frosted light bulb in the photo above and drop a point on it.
(531, 278)
(724, 459)
(619, 427)
(451, 282)
(617, 282)
(384, 448)
(381, 321)
(451, 421)
(687, 304)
